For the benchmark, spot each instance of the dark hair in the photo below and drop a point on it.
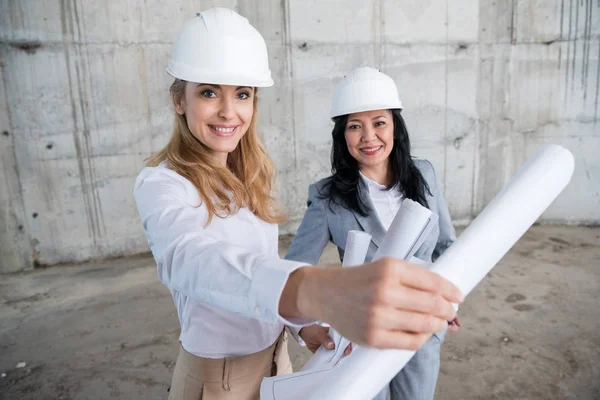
(343, 186)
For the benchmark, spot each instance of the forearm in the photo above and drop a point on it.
(303, 294)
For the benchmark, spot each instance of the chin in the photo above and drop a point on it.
(225, 147)
(222, 149)
(371, 163)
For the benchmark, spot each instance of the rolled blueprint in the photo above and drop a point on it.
(357, 245)
(408, 231)
(495, 230)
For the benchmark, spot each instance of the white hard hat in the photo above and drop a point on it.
(220, 46)
(364, 89)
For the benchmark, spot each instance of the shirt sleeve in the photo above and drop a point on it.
(192, 261)
(310, 240)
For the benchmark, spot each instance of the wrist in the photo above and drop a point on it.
(311, 293)
(291, 295)
(303, 294)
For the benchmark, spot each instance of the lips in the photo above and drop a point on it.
(370, 151)
(223, 130)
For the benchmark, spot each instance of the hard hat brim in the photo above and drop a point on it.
(364, 107)
(216, 78)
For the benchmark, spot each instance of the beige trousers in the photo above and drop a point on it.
(235, 378)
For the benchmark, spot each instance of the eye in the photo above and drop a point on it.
(353, 126)
(243, 95)
(379, 123)
(208, 93)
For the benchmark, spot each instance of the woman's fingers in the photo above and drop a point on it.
(324, 339)
(395, 319)
(409, 299)
(417, 277)
(315, 336)
(454, 324)
(348, 349)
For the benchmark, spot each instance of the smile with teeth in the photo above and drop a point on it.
(370, 150)
(223, 130)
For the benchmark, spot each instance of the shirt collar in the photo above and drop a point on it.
(371, 183)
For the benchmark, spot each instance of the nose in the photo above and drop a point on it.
(227, 109)
(368, 134)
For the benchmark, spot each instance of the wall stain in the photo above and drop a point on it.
(67, 29)
(575, 47)
(377, 32)
(586, 47)
(573, 65)
(597, 85)
(89, 153)
(71, 23)
(288, 68)
(562, 13)
(22, 248)
(568, 51)
(513, 22)
(29, 46)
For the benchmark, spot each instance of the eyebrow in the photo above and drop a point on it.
(219, 86)
(358, 120)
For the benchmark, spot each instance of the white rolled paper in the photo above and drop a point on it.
(357, 246)
(495, 230)
(411, 226)
(408, 231)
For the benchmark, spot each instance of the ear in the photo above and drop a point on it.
(179, 106)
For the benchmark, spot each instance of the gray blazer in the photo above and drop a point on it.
(324, 222)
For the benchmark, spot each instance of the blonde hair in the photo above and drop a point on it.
(246, 182)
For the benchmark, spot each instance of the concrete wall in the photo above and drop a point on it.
(83, 100)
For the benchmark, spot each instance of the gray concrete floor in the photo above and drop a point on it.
(531, 329)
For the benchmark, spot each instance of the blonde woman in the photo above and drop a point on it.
(207, 210)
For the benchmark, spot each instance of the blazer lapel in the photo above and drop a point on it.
(371, 223)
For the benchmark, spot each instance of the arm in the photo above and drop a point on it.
(310, 240)
(313, 234)
(385, 304)
(194, 262)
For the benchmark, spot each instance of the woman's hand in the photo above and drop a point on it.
(454, 325)
(316, 336)
(388, 303)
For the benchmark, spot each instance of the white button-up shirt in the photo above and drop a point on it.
(226, 278)
(386, 202)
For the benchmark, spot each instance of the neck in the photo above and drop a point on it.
(221, 158)
(380, 173)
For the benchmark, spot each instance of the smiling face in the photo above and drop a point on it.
(217, 115)
(370, 138)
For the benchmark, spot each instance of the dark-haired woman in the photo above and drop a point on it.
(372, 172)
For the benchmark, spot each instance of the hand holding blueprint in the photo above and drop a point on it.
(411, 226)
(362, 374)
